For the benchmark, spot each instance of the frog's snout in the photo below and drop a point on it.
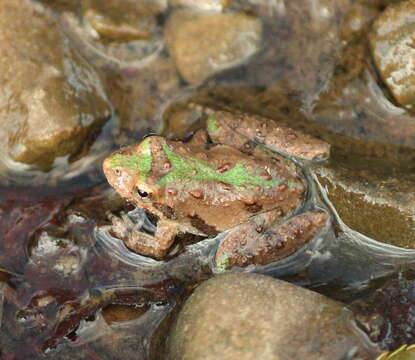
(122, 181)
(108, 170)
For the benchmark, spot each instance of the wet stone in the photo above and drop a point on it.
(386, 315)
(63, 5)
(122, 21)
(138, 98)
(204, 44)
(251, 316)
(52, 100)
(206, 5)
(393, 51)
(385, 203)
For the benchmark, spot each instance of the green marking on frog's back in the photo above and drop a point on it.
(140, 163)
(199, 170)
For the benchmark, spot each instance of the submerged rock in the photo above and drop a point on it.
(393, 51)
(122, 21)
(248, 316)
(206, 5)
(204, 44)
(386, 315)
(51, 100)
(116, 34)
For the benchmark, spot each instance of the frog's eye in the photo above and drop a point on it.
(142, 193)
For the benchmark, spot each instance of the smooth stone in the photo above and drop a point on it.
(122, 20)
(252, 316)
(206, 5)
(51, 99)
(204, 44)
(392, 49)
(380, 206)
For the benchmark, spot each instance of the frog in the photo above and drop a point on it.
(237, 175)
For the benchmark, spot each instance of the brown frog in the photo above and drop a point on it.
(233, 175)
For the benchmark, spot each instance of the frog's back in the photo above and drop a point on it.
(221, 187)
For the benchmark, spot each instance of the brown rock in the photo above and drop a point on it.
(52, 100)
(393, 50)
(251, 316)
(204, 44)
(381, 206)
(122, 21)
(206, 5)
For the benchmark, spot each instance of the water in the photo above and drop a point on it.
(71, 290)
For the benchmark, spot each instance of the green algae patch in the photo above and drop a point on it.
(211, 124)
(222, 264)
(199, 170)
(140, 163)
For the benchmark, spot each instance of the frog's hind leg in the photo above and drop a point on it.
(249, 243)
(244, 130)
(155, 246)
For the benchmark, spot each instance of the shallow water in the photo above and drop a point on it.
(71, 290)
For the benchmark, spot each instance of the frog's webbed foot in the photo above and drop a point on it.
(250, 244)
(156, 245)
(241, 130)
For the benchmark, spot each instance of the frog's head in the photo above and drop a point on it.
(128, 169)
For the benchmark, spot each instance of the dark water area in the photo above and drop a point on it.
(70, 289)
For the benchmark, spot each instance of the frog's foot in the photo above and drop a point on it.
(249, 244)
(156, 245)
(245, 130)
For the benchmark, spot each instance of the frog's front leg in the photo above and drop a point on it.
(253, 243)
(245, 130)
(155, 245)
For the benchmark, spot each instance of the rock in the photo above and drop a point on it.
(355, 103)
(251, 316)
(63, 5)
(116, 34)
(126, 20)
(392, 48)
(206, 5)
(52, 100)
(386, 314)
(385, 202)
(140, 95)
(204, 44)
(358, 20)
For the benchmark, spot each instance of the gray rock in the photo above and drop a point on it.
(52, 100)
(251, 316)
